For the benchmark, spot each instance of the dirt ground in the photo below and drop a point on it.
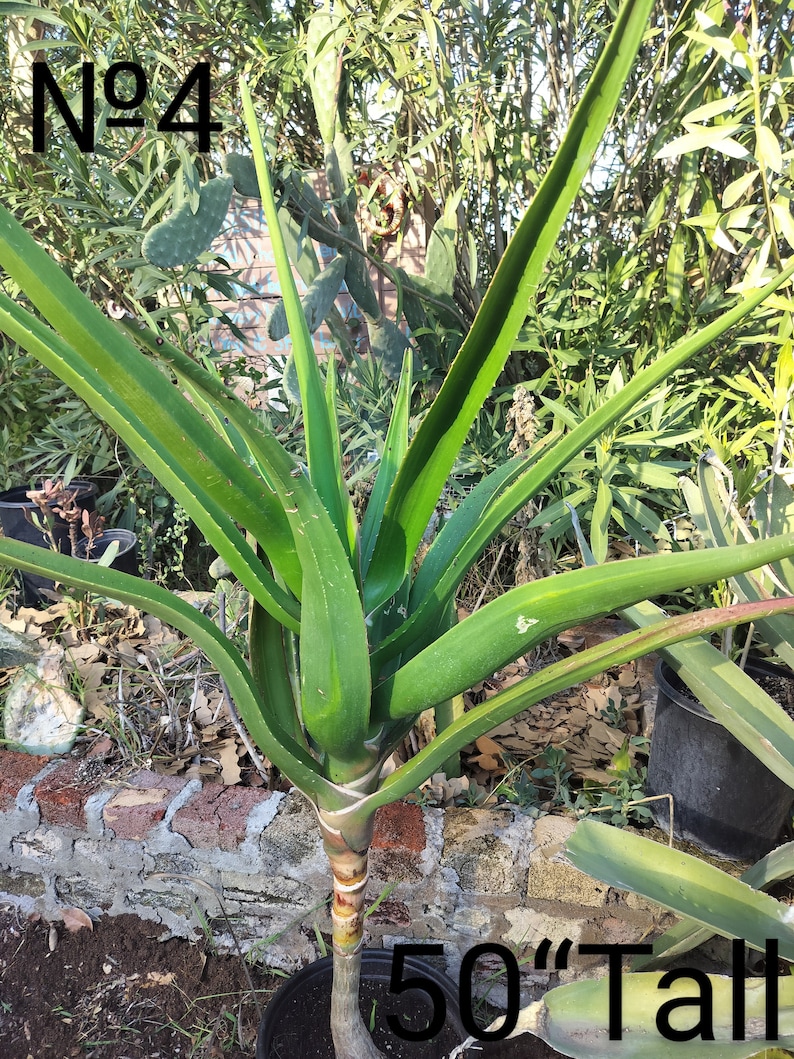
(116, 991)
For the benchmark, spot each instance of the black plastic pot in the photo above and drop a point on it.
(126, 558)
(297, 1021)
(16, 513)
(724, 799)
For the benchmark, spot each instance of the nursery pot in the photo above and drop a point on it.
(724, 799)
(15, 517)
(297, 1022)
(126, 558)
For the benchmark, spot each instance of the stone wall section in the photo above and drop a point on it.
(199, 858)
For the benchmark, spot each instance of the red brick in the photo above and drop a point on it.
(17, 769)
(399, 826)
(215, 817)
(62, 797)
(136, 808)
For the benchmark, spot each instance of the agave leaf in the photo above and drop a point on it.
(687, 934)
(394, 449)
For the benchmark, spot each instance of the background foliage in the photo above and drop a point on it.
(464, 104)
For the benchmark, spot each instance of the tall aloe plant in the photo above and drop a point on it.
(347, 646)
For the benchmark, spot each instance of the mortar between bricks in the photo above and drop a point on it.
(463, 876)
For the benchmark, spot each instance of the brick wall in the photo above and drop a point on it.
(175, 851)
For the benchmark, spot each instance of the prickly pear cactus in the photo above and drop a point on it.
(316, 302)
(388, 344)
(183, 235)
(323, 43)
(241, 168)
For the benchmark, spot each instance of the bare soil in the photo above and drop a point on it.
(118, 992)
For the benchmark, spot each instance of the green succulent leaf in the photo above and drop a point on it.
(555, 678)
(274, 741)
(683, 884)
(530, 614)
(324, 471)
(179, 446)
(477, 365)
(182, 236)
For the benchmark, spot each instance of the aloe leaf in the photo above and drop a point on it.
(461, 541)
(269, 735)
(574, 1018)
(394, 449)
(687, 935)
(503, 310)
(681, 883)
(167, 434)
(269, 658)
(525, 616)
(324, 473)
(555, 678)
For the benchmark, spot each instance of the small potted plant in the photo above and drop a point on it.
(45, 516)
(108, 547)
(348, 643)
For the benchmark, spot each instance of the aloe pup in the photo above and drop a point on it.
(346, 645)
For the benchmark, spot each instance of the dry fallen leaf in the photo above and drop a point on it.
(75, 919)
(230, 768)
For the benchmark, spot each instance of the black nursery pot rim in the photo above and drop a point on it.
(126, 540)
(17, 495)
(376, 966)
(677, 691)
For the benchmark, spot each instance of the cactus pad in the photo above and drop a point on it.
(182, 236)
(242, 170)
(316, 302)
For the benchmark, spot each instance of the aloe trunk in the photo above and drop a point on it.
(350, 869)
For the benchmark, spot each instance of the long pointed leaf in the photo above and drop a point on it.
(501, 314)
(574, 1018)
(324, 472)
(687, 934)
(394, 449)
(683, 884)
(525, 616)
(459, 543)
(169, 442)
(549, 681)
(266, 730)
